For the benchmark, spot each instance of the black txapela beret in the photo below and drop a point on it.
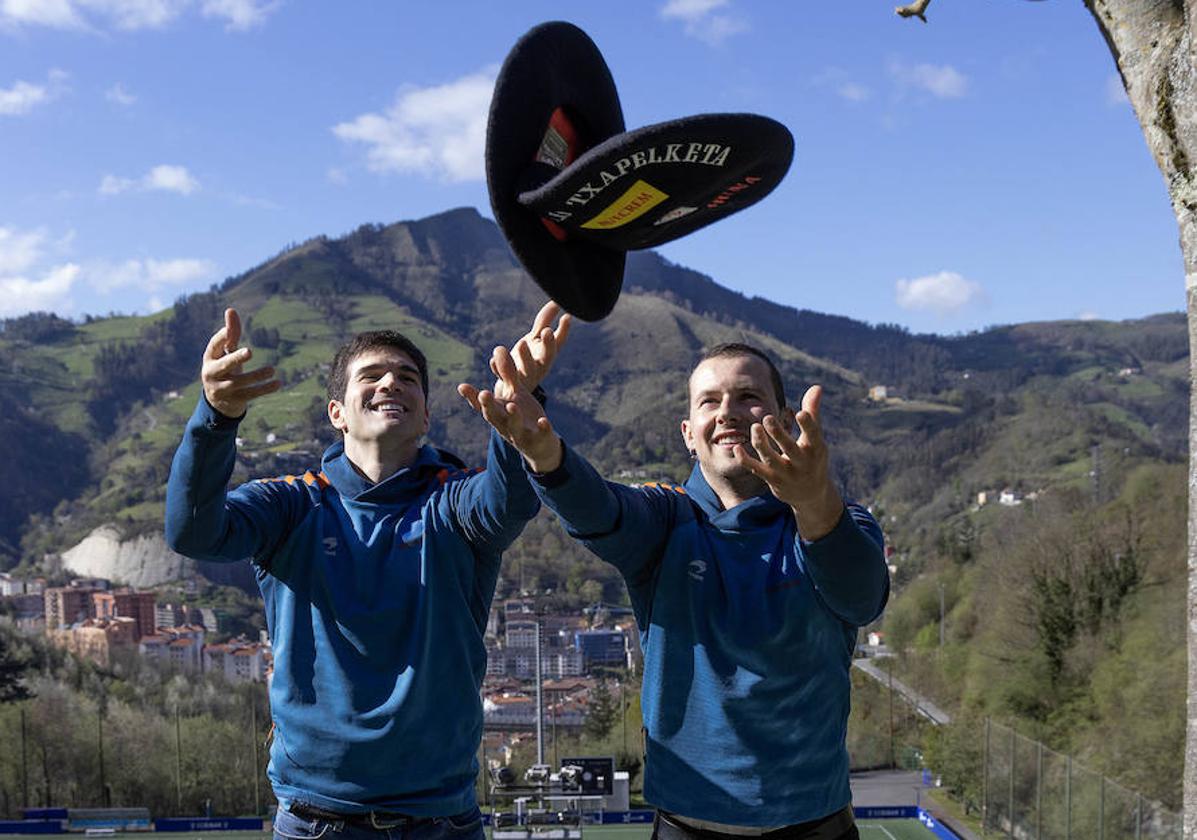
(573, 191)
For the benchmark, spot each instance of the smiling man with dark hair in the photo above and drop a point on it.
(748, 583)
(377, 572)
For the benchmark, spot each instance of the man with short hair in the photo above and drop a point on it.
(377, 572)
(748, 583)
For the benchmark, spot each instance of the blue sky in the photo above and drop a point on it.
(983, 168)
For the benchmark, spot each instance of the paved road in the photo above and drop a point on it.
(877, 788)
(921, 704)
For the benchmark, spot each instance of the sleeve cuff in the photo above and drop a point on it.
(554, 478)
(844, 528)
(213, 419)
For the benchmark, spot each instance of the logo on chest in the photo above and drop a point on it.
(697, 569)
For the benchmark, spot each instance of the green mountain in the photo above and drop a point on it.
(92, 411)
(1051, 605)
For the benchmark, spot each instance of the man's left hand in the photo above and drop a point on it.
(797, 470)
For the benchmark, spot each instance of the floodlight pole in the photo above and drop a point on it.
(539, 703)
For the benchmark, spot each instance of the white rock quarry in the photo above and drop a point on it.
(143, 561)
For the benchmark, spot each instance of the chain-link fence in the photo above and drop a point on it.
(64, 750)
(1031, 792)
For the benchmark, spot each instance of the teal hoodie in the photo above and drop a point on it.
(376, 596)
(748, 633)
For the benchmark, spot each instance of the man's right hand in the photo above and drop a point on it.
(516, 414)
(226, 388)
(534, 353)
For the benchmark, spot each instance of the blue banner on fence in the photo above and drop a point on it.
(936, 827)
(627, 817)
(44, 813)
(208, 824)
(888, 812)
(31, 827)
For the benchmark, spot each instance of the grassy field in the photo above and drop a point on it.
(893, 830)
(869, 830)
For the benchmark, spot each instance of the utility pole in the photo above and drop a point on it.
(253, 737)
(941, 618)
(623, 712)
(24, 761)
(985, 782)
(178, 762)
(100, 743)
(893, 761)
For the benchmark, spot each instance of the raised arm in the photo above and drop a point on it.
(492, 508)
(201, 522)
(622, 525)
(841, 545)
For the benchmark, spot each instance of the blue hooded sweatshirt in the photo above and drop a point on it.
(376, 599)
(748, 633)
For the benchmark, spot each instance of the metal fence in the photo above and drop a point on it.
(1031, 792)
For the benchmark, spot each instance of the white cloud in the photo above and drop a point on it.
(171, 179)
(241, 14)
(131, 14)
(119, 95)
(59, 14)
(149, 275)
(35, 274)
(243, 200)
(941, 81)
(837, 80)
(136, 14)
(437, 131)
(701, 20)
(163, 177)
(690, 9)
(944, 293)
(19, 294)
(1088, 315)
(853, 92)
(1115, 92)
(20, 250)
(336, 176)
(112, 185)
(24, 96)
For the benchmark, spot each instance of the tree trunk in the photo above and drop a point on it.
(1152, 43)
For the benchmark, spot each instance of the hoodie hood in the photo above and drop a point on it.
(757, 512)
(403, 485)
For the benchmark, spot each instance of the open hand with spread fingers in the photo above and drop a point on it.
(227, 388)
(797, 470)
(536, 350)
(517, 415)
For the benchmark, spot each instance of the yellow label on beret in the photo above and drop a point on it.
(638, 200)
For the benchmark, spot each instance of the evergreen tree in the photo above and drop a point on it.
(12, 671)
(603, 712)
